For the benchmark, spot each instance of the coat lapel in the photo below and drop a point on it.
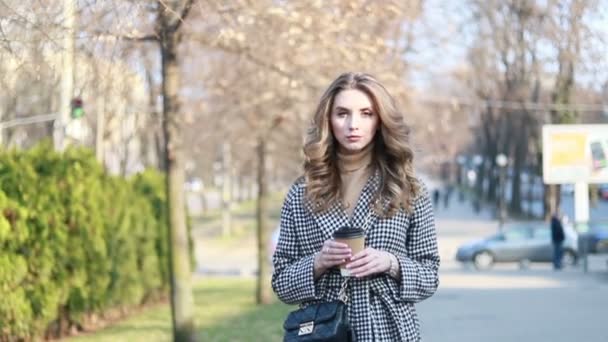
(364, 215)
(330, 220)
(336, 217)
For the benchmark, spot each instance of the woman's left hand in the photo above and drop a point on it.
(369, 262)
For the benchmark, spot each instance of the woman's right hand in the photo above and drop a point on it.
(332, 254)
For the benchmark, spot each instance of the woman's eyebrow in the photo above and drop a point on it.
(348, 109)
(342, 108)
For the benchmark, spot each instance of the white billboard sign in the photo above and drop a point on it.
(575, 154)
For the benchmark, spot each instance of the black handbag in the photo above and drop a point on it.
(320, 322)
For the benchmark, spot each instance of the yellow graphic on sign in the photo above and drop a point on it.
(567, 149)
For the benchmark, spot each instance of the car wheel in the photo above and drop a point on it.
(569, 258)
(524, 264)
(483, 260)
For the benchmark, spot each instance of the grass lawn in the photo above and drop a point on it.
(225, 311)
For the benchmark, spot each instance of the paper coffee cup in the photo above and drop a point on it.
(354, 238)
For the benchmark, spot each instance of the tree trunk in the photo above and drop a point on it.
(521, 149)
(159, 144)
(226, 189)
(492, 174)
(263, 293)
(101, 129)
(181, 287)
(481, 174)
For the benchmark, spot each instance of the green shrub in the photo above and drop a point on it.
(75, 240)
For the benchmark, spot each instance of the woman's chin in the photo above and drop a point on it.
(351, 149)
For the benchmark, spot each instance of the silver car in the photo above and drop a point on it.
(521, 242)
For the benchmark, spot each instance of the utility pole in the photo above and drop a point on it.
(226, 189)
(67, 75)
(99, 134)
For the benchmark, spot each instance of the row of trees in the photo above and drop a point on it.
(237, 77)
(526, 64)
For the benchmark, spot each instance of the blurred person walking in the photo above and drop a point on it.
(359, 173)
(436, 195)
(557, 238)
(447, 194)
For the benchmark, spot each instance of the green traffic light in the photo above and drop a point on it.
(77, 108)
(77, 113)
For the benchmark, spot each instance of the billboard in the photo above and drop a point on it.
(575, 153)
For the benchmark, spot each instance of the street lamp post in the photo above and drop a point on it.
(501, 161)
(461, 161)
(478, 162)
(476, 182)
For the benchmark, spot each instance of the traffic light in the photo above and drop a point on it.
(77, 111)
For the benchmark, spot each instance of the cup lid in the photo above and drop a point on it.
(348, 233)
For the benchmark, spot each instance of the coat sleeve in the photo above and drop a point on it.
(420, 266)
(293, 278)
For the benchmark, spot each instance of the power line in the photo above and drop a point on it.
(515, 105)
(28, 120)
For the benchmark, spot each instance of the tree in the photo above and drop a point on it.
(566, 30)
(171, 15)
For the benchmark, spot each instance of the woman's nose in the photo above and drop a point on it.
(353, 123)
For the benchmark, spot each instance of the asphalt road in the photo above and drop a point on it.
(508, 303)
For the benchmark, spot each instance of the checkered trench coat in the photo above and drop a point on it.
(380, 307)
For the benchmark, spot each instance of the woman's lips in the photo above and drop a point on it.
(353, 138)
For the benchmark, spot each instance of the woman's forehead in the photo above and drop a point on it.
(353, 99)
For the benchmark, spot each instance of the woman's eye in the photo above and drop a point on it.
(368, 113)
(342, 114)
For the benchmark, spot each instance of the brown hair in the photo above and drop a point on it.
(392, 156)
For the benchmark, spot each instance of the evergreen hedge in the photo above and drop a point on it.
(75, 241)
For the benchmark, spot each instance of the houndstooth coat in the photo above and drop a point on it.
(380, 307)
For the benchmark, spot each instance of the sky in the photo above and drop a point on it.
(444, 34)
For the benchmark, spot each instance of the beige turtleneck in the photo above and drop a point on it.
(354, 172)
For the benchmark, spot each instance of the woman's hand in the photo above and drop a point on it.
(369, 262)
(332, 254)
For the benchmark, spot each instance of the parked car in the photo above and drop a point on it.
(519, 242)
(603, 191)
(596, 239)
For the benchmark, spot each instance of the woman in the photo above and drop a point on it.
(359, 172)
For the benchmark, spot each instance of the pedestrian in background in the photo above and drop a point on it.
(436, 195)
(359, 173)
(557, 238)
(447, 194)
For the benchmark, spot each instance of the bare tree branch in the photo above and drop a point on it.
(183, 15)
(146, 38)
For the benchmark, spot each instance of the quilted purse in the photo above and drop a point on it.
(320, 322)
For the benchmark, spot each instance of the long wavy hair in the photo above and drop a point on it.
(392, 155)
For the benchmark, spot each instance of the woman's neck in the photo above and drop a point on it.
(354, 161)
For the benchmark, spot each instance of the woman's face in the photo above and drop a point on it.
(353, 121)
